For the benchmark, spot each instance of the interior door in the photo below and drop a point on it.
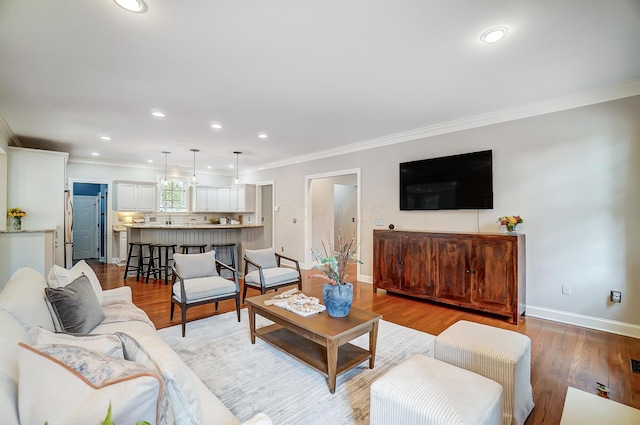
(85, 228)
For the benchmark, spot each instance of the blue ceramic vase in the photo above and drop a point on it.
(337, 299)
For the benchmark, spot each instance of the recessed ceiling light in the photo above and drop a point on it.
(95, 153)
(494, 34)
(149, 161)
(136, 6)
(216, 126)
(230, 165)
(209, 167)
(105, 138)
(262, 136)
(158, 114)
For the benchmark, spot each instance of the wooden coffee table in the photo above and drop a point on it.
(319, 341)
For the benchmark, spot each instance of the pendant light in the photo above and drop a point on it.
(164, 182)
(237, 170)
(193, 178)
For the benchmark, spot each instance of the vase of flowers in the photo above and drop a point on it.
(16, 214)
(334, 261)
(511, 221)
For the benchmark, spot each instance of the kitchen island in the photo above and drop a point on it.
(245, 236)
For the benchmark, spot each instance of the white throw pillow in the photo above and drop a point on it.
(185, 400)
(23, 297)
(59, 276)
(107, 344)
(63, 384)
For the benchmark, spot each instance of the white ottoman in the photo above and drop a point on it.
(498, 354)
(423, 390)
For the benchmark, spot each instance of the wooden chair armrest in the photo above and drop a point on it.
(220, 264)
(293, 260)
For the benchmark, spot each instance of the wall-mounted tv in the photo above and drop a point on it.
(456, 182)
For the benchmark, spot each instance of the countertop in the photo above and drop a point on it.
(201, 226)
(27, 230)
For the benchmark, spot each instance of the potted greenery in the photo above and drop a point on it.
(333, 262)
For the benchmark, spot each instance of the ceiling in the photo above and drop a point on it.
(313, 76)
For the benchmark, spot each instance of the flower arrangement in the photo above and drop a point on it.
(511, 221)
(335, 259)
(16, 212)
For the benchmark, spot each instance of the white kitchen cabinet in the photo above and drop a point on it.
(132, 196)
(224, 199)
(206, 199)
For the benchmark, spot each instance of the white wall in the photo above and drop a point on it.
(573, 176)
(5, 135)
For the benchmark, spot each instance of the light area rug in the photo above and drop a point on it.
(260, 378)
(582, 408)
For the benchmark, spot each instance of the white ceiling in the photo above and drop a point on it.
(313, 75)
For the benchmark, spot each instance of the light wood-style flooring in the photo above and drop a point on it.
(562, 355)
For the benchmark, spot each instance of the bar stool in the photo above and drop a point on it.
(156, 252)
(232, 252)
(187, 247)
(138, 255)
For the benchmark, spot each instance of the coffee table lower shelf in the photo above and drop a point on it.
(311, 353)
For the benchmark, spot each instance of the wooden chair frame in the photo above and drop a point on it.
(184, 305)
(263, 288)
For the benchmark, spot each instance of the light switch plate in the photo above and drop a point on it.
(379, 222)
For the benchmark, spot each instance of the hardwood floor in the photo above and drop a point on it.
(562, 355)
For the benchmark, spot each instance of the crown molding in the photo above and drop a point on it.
(548, 106)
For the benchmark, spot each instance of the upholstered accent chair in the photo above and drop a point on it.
(263, 271)
(197, 281)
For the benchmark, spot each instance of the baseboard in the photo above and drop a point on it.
(116, 261)
(365, 278)
(597, 323)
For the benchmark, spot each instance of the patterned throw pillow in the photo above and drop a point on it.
(79, 385)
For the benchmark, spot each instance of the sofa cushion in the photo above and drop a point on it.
(190, 266)
(203, 288)
(12, 333)
(59, 276)
(265, 258)
(181, 382)
(79, 385)
(23, 297)
(109, 345)
(76, 306)
(276, 276)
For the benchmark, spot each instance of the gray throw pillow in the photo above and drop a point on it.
(191, 266)
(76, 306)
(265, 258)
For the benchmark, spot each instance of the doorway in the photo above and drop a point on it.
(332, 203)
(90, 221)
(265, 214)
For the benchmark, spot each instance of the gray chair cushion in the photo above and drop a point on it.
(76, 306)
(265, 258)
(191, 266)
(272, 277)
(203, 288)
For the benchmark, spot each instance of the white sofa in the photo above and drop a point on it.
(23, 309)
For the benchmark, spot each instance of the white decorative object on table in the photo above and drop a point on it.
(297, 302)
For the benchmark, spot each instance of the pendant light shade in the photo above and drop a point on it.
(237, 169)
(193, 178)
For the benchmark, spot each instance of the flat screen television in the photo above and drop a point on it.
(456, 182)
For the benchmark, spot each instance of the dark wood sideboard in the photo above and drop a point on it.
(479, 271)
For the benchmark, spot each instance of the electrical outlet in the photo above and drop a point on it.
(616, 296)
(282, 249)
(295, 220)
(379, 222)
(205, 218)
(566, 289)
